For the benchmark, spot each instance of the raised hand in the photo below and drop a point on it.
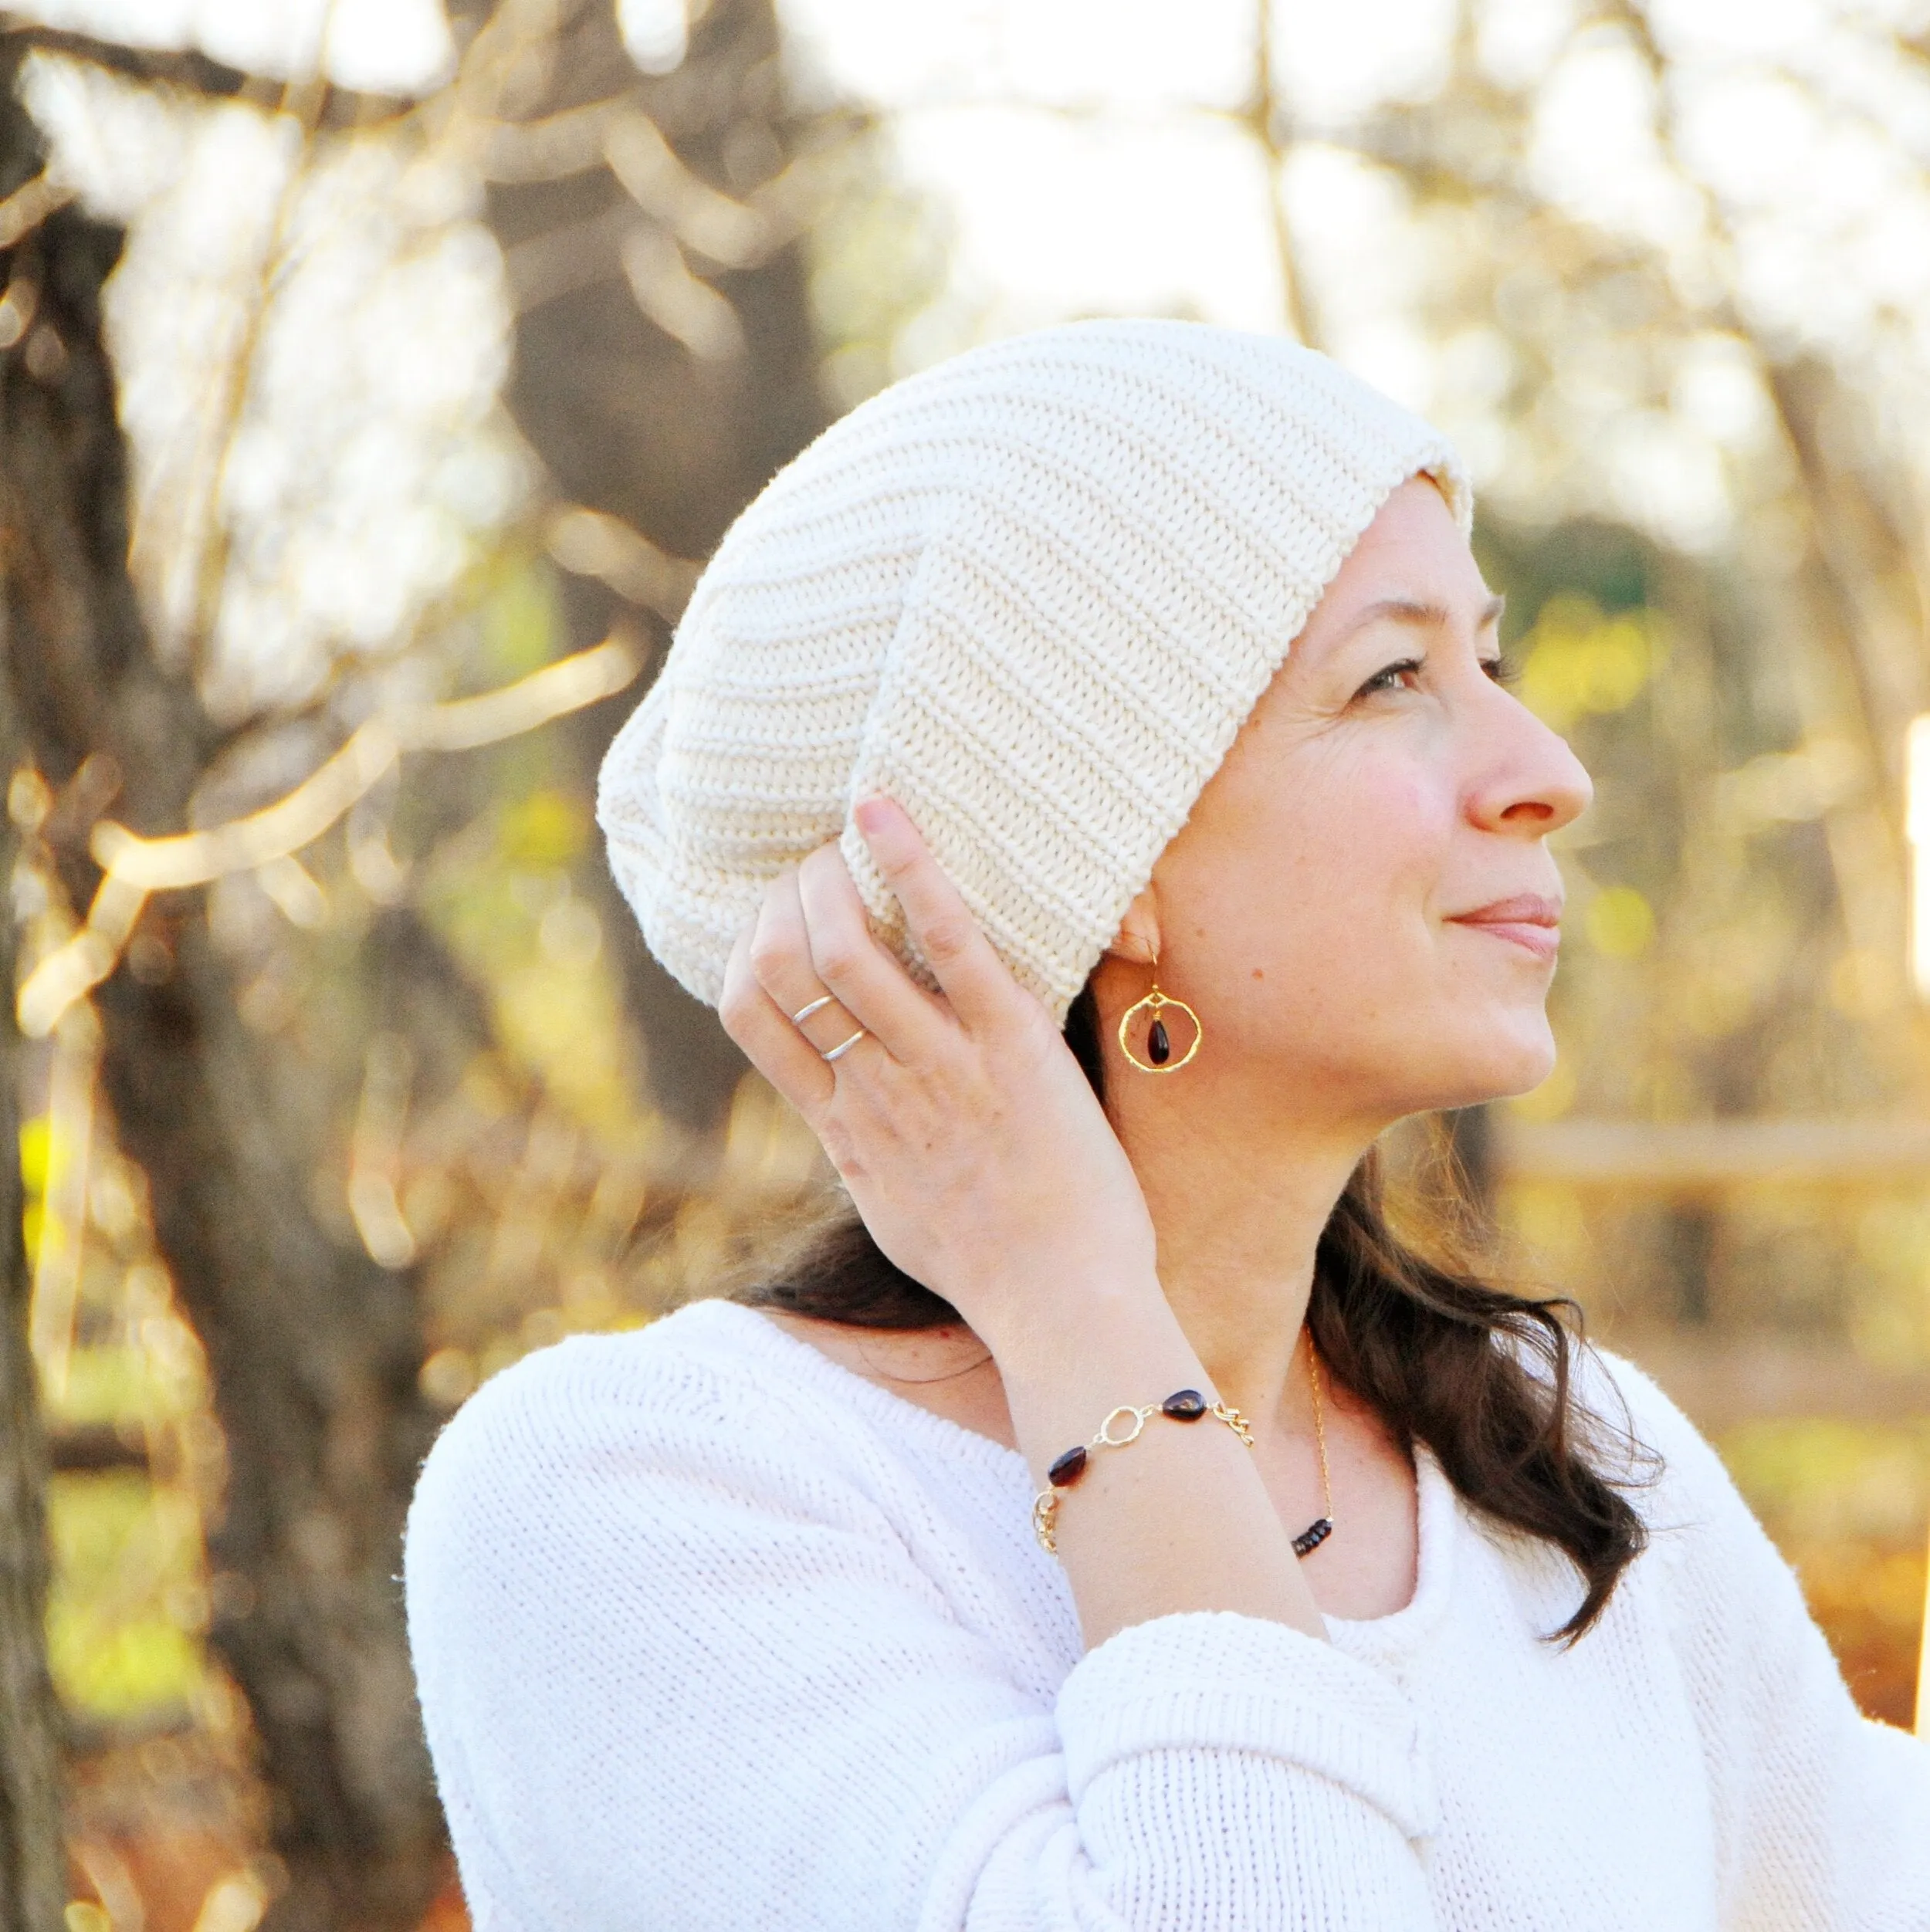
(970, 1139)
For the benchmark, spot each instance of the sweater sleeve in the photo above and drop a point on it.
(1822, 1816)
(678, 1666)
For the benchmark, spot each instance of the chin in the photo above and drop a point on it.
(1518, 1067)
(1498, 1063)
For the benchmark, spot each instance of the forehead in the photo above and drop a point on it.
(1413, 559)
(1413, 529)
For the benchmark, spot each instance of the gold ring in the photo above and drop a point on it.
(803, 1013)
(845, 1047)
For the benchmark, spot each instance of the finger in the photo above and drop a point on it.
(780, 957)
(771, 1043)
(977, 981)
(868, 979)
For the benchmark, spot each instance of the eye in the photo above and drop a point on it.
(1393, 678)
(1503, 670)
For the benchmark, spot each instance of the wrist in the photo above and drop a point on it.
(1099, 1329)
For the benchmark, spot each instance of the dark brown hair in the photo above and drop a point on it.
(1484, 1377)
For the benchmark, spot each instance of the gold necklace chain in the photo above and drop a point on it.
(1319, 1427)
(1317, 1532)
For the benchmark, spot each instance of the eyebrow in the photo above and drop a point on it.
(1422, 615)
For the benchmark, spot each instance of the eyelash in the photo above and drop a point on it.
(1500, 669)
(1383, 680)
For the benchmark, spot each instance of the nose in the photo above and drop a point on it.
(1528, 780)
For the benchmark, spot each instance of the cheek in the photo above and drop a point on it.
(1366, 861)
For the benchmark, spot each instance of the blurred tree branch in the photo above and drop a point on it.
(132, 867)
(193, 73)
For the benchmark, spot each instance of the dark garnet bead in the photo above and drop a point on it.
(1158, 1048)
(1068, 1469)
(1313, 1537)
(1187, 1404)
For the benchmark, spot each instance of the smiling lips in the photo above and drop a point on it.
(1528, 921)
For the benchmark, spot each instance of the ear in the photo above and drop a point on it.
(1138, 937)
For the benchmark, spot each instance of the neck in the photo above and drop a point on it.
(1238, 1215)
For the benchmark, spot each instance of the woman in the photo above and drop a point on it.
(1111, 1524)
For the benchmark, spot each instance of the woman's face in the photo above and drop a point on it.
(1362, 906)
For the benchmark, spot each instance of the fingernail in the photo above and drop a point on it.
(869, 814)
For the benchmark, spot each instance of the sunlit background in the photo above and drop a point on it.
(445, 344)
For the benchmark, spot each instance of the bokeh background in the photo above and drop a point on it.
(373, 376)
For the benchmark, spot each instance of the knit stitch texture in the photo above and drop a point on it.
(1032, 594)
(712, 1634)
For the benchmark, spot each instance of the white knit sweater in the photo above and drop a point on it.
(711, 1633)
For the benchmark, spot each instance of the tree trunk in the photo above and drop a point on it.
(32, 1864)
(33, 1887)
(314, 1350)
(629, 422)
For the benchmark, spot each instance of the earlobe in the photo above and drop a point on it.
(1138, 937)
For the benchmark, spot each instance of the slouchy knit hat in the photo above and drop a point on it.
(1032, 594)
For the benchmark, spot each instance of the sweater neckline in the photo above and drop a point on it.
(853, 1389)
(1436, 1510)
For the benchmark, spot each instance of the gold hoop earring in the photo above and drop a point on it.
(1158, 1046)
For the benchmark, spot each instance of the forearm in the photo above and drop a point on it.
(1178, 1521)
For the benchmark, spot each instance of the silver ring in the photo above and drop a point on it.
(803, 1013)
(839, 1052)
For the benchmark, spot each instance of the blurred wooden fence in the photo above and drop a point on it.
(1727, 1376)
(1712, 1156)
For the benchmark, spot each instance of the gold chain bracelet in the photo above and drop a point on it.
(1183, 1404)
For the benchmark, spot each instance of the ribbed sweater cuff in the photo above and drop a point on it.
(1215, 1680)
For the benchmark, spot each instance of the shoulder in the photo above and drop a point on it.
(1820, 1810)
(713, 1374)
(587, 1393)
(1705, 1541)
(1645, 1440)
(705, 1415)
(688, 1364)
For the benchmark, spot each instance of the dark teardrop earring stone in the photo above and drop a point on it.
(1159, 1049)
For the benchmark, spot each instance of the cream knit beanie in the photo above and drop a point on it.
(1032, 594)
